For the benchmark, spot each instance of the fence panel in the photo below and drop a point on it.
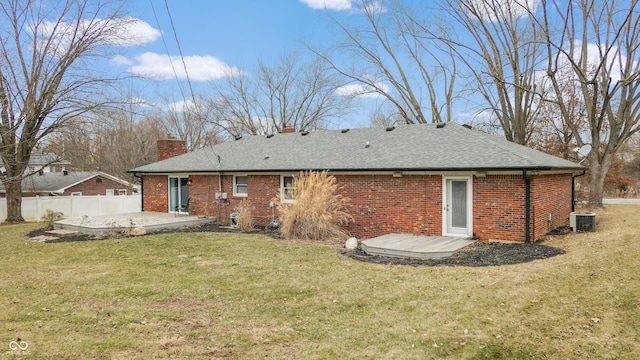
(34, 208)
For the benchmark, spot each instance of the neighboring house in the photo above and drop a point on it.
(45, 162)
(443, 179)
(67, 183)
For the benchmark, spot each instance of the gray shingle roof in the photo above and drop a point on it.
(410, 147)
(57, 182)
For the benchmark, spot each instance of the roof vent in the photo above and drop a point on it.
(467, 126)
(344, 131)
(390, 128)
(65, 172)
(304, 133)
(40, 172)
(269, 136)
(238, 137)
(266, 157)
(441, 125)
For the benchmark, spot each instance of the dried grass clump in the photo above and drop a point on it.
(318, 212)
(245, 215)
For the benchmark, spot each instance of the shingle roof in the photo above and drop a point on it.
(57, 182)
(425, 147)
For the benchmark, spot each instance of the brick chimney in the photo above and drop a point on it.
(288, 130)
(171, 147)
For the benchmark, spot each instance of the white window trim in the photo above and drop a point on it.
(235, 186)
(110, 192)
(282, 199)
(76, 193)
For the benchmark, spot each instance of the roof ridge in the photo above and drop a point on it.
(507, 145)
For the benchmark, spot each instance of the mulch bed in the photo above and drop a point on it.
(475, 255)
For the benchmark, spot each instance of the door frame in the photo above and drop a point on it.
(179, 199)
(445, 212)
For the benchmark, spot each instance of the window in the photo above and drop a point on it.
(122, 191)
(240, 187)
(110, 192)
(76, 193)
(287, 189)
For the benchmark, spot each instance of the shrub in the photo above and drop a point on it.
(50, 217)
(245, 216)
(318, 212)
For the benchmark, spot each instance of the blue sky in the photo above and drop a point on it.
(224, 35)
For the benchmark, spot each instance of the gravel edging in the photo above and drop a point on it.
(476, 255)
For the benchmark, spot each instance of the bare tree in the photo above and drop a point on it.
(290, 93)
(499, 44)
(597, 47)
(45, 78)
(191, 121)
(396, 60)
(111, 141)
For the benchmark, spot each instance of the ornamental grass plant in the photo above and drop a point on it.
(318, 211)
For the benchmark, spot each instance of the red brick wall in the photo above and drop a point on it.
(93, 187)
(170, 147)
(551, 194)
(155, 189)
(382, 204)
(498, 207)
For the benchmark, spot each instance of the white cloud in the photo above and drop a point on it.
(120, 60)
(200, 68)
(135, 32)
(120, 32)
(328, 4)
(362, 90)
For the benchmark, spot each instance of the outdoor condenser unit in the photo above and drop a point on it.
(582, 221)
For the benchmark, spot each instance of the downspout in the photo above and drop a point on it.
(219, 197)
(573, 190)
(527, 204)
(141, 190)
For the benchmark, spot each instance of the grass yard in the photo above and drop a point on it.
(203, 296)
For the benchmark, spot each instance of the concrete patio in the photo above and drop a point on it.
(121, 222)
(411, 246)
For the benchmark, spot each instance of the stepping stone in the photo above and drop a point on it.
(43, 238)
(61, 232)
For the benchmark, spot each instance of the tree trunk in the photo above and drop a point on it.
(14, 201)
(599, 169)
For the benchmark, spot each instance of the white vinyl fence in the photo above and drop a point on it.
(34, 208)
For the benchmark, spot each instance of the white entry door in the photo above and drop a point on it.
(457, 211)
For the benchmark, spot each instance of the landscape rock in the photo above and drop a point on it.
(351, 244)
(139, 231)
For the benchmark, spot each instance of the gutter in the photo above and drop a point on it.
(135, 174)
(527, 204)
(573, 190)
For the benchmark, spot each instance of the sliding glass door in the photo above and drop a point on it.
(178, 193)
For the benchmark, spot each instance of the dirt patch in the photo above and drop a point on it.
(474, 255)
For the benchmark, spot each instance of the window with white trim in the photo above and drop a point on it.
(122, 192)
(76, 193)
(110, 192)
(240, 185)
(287, 190)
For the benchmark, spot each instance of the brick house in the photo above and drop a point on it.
(67, 183)
(430, 179)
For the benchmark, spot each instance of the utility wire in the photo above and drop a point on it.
(193, 97)
(166, 48)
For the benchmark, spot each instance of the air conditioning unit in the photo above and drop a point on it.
(582, 221)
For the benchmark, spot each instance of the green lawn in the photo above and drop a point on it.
(203, 296)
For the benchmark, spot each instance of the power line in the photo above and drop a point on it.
(166, 48)
(175, 34)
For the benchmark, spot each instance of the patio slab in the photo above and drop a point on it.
(412, 246)
(122, 222)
